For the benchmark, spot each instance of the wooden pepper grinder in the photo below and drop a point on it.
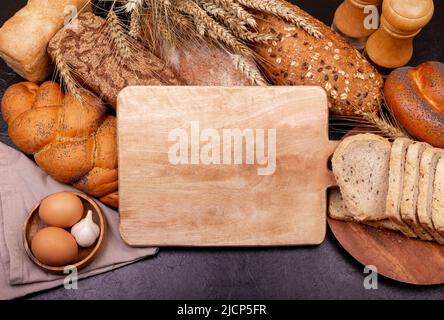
(356, 20)
(392, 45)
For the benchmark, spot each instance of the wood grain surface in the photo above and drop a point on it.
(394, 255)
(223, 205)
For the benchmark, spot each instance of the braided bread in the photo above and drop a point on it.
(72, 141)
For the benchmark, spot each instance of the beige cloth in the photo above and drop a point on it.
(22, 185)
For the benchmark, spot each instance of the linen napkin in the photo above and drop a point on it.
(22, 185)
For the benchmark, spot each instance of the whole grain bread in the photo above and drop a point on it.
(410, 189)
(352, 84)
(337, 209)
(438, 197)
(395, 184)
(427, 170)
(86, 49)
(361, 167)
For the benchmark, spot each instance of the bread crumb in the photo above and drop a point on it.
(278, 60)
(336, 57)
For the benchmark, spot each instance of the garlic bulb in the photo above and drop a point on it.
(86, 231)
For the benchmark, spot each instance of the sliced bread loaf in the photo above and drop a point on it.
(427, 170)
(410, 189)
(338, 210)
(361, 167)
(438, 197)
(395, 184)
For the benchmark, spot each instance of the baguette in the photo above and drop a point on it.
(352, 84)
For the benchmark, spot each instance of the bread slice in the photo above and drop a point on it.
(395, 184)
(361, 167)
(427, 170)
(410, 189)
(438, 197)
(338, 210)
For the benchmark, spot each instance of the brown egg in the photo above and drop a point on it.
(54, 247)
(62, 209)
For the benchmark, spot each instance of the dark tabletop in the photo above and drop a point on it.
(322, 272)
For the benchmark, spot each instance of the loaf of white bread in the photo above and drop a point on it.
(396, 185)
(25, 37)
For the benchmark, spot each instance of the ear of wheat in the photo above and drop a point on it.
(228, 23)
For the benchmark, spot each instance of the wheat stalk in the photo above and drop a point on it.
(214, 30)
(249, 70)
(386, 126)
(118, 35)
(237, 11)
(222, 16)
(280, 10)
(66, 74)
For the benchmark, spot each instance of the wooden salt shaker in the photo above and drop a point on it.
(350, 19)
(392, 45)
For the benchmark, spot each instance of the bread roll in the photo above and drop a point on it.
(25, 36)
(416, 98)
(72, 141)
(353, 86)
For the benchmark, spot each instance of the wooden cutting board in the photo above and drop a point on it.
(198, 202)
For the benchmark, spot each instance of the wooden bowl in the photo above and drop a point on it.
(86, 255)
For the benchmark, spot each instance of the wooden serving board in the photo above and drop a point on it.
(197, 204)
(394, 255)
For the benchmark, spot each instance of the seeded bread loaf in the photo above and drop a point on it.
(86, 49)
(352, 84)
(361, 167)
(427, 170)
(438, 197)
(410, 190)
(395, 185)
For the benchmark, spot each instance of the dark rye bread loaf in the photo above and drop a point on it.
(352, 84)
(87, 50)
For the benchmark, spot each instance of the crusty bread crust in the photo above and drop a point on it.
(416, 98)
(352, 84)
(395, 184)
(25, 36)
